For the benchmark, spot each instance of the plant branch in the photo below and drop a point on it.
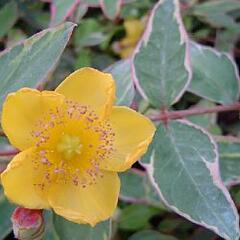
(165, 115)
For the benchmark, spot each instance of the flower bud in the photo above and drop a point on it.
(28, 224)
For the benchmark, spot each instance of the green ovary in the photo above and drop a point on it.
(69, 146)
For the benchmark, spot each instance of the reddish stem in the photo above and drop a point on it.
(165, 116)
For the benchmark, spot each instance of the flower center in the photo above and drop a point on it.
(69, 146)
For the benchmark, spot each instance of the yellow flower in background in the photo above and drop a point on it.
(73, 142)
(134, 29)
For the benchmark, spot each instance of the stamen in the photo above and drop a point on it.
(72, 122)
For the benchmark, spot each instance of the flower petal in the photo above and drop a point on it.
(19, 178)
(91, 87)
(91, 204)
(21, 111)
(133, 134)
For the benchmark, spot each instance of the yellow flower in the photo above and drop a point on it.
(73, 142)
(134, 29)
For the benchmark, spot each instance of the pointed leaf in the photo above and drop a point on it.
(212, 72)
(161, 68)
(182, 163)
(29, 63)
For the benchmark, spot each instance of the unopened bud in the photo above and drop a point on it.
(28, 224)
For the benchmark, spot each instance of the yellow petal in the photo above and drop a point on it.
(19, 178)
(133, 134)
(91, 204)
(21, 111)
(91, 87)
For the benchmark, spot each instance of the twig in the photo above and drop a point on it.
(165, 116)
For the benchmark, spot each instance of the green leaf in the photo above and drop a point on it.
(150, 235)
(89, 33)
(61, 10)
(73, 231)
(6, 210)
(161, 68)
(84, 59)
(134, 217)
(92, 3)
(121, 72)
(204, 120)
(226, 40)
(14, 36)
(171, 224)
(8, 17)
(182, 162)
(50, 232)
(217, 13)
(212, 72)
(220, 20)
(81, 11)
(111, 8)
(216, 6)
(229, 153)
(29, 63)
(136, 188)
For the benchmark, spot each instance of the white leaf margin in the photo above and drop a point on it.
(219, 54)
(184, 40)
(214, 172)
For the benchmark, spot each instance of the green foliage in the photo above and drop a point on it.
(218, 13)
(212, 71)
(6, 212)
(229, 152)
(150, 235)
(61, 10)
(163, 83)
(131, 217)
(8, 17)
(89, 33)
(182, 161)
(64, 229)
(110, 8)
(29, 63)
(187, 170)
